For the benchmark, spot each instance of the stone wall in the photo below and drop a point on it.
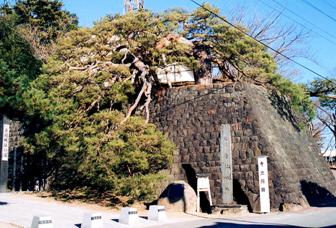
(192, 116)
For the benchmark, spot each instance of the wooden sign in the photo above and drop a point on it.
(5, 140)
(203, 185)
(263, 184)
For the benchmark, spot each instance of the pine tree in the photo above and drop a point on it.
(18, 67)
(41, 23)
(93, 95)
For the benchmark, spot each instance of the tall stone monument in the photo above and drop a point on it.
(226, 164)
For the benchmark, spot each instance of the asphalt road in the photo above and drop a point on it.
(20, 209)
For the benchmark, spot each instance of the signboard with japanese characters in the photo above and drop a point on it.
(226, 164)
(5, 141)
(263, 185)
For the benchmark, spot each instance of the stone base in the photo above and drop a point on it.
(291, 207)
(229, 209)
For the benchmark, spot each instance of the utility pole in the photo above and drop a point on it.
(131, 6)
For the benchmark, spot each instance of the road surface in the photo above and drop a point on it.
(19, 209)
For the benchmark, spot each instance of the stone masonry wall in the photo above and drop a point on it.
(192, 116)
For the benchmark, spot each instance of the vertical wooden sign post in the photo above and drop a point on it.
(4, 154)
(226, 164)
(263, 185)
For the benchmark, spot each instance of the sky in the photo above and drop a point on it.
(321, 50)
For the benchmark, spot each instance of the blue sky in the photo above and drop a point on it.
(322, 51)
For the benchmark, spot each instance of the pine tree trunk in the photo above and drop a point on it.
(203, 74)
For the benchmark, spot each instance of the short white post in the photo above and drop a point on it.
(128, 215)
(203, 185)
(92, 220)
(157, 213)
(42, 222)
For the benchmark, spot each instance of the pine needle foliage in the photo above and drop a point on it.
(87, 86)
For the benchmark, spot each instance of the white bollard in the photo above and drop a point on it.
(128, 215)
(92, 220)
(157, 213)
(42, 222)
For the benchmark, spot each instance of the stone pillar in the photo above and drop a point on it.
(226, 164)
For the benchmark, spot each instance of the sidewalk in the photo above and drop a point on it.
(19, 209)
(6, 225)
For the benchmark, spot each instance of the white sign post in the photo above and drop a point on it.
(226, 164)
(5, 141)
(203, 185)
(42, 222)
(128, 216)
(263, 185)
(157, 213)
(92, 220)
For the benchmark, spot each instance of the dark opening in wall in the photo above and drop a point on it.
(239, 195)
(190, 174)
(316, 195)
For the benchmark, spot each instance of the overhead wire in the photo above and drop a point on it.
(265, 45)
(329, 4)
(299, 23)
(319, 10)
(304, 19)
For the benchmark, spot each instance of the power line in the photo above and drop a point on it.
(329, 4)
(269, 47)
(299, 23)
(304, 19)
(319, 10)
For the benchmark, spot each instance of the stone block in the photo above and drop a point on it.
(178, 197)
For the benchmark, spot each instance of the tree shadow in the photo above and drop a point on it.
(174, 192)
(89, 196)
(284, 110)
(316, 195)
(154, 202)
(254, 225)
